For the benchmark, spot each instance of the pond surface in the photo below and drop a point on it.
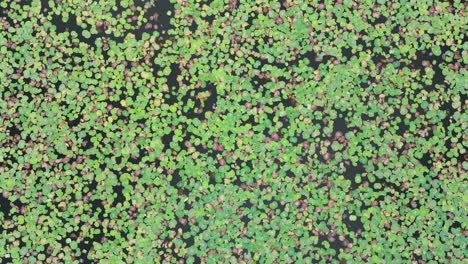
(232, 131)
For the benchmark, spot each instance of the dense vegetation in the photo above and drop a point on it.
(251, 131)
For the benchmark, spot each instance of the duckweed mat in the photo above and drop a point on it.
(233, 131)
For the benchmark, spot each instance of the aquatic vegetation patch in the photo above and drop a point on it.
(233, 131)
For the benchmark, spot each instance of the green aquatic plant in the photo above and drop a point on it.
(232, 131)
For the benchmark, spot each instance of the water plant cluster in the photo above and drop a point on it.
(233, 131)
